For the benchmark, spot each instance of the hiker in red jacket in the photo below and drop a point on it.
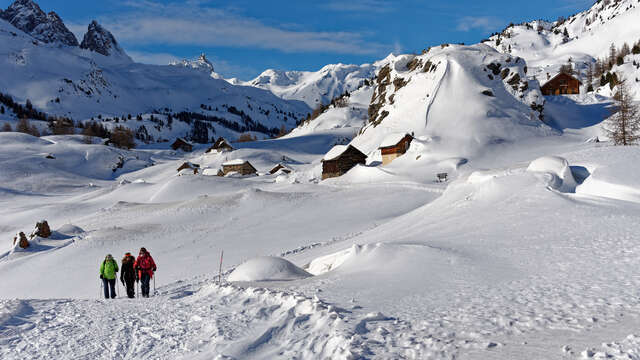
(146, 267)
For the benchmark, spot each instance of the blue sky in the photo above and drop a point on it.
(244, 37)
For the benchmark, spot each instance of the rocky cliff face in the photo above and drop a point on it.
(28, 17)
(100, 40)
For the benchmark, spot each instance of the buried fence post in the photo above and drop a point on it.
(220, 270)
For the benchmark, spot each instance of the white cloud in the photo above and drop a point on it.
(151, 23)
(222, 67)
(485, 23)
(152, 58)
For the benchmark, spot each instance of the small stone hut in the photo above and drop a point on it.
(394, 146)
(239, 166)
(561, 84)
(340, 159)
(285, 169)
(182, 144)
(189, 165)
(221, 145)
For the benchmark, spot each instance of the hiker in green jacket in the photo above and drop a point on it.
(108, 270)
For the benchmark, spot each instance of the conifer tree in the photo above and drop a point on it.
(623, 127)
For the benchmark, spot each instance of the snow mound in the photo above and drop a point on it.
(70, 229)
(330, 262)
(557, 172)
(267, 268)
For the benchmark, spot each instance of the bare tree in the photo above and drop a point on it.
(23, 126)
(623, 127)
(589, 76)
(6, 127)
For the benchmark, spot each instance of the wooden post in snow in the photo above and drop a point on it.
(220, 271)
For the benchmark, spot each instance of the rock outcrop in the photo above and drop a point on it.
(22, 238)
(42, 229)
(102, 41)
(27, 16)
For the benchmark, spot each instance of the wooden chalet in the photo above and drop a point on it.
(340, 159)
(182, 144)
(561, 84)
(393, 146)
(238, 166)
(285, 169)
(221, 145)
(189, 165)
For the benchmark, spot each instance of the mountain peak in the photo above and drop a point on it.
(201, 64)
(27, 16)
(100, 40)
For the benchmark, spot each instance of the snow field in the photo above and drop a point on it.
(186, 321)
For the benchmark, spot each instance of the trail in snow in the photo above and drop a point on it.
(186, 321)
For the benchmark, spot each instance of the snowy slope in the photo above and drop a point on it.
(458, 98)
(461, 275)
(318, 87)
(590, 35)
(529, 251)
(351, 115)
(84, 83)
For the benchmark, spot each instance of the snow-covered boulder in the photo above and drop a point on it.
(42, 229)
(267, 268)
(556, 172)
(20, 241)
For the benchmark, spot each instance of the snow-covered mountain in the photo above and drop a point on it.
(577, 40)
(98, 80)
(200, 64)
(101, 40)
(27, 16)
(315, 87)
(458, 97)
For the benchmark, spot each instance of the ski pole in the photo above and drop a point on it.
(154, 284)
(100, 289)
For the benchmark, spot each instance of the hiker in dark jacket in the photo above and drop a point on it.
(128, 275)
(108, 270)
(146, 267)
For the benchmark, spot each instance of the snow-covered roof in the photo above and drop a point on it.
(234, 162)
(182, 140)
(335, 152)
(558, 74)
(392, 139)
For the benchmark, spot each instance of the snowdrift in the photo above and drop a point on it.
(267, 268)
(556, 172)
